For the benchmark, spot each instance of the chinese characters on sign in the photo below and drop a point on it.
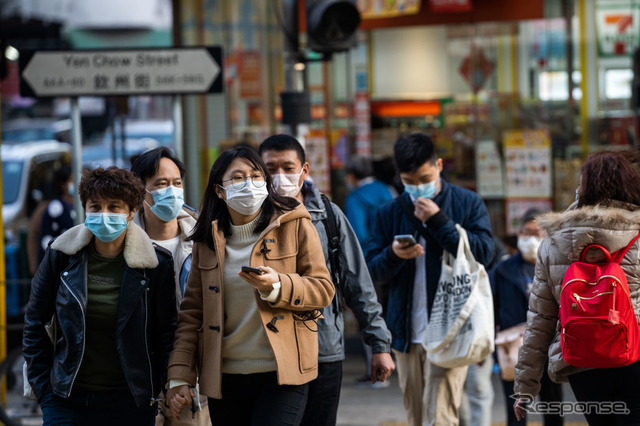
(121, 72)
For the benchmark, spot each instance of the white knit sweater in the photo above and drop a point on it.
(245, 347)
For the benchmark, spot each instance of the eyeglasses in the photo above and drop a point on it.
(239, 182)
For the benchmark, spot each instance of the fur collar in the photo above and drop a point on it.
(619, 217)
(139, 252)
(572, 230)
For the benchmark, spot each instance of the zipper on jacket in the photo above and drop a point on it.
(146, 340)
(84, 337)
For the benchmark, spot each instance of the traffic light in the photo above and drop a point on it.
(331, 25)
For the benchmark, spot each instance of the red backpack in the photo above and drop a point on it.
(599, 325)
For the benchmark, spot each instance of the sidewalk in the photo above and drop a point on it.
(383, 407)
(359, 406)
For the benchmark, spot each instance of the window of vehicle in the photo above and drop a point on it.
(11, 175)
(26, 135)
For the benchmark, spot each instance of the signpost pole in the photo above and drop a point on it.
(178, 142)
(76, 153)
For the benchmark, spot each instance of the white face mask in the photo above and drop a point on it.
(247, 200)
(528, 247)
(287, 184)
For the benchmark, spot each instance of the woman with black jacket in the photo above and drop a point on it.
(109, 294)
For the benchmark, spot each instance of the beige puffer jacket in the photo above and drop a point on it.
(567, 234)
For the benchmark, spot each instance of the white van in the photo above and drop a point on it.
(28, 177)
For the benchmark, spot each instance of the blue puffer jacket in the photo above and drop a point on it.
(457, 205)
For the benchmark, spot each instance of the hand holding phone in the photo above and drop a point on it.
(406, 238)
(251, 269)
(406, 247)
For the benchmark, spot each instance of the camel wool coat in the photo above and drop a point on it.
(291, 246)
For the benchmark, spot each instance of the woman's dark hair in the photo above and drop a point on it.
(112, 183)
(412, 151)
(146, 164)
(607, 176)
(215, 208)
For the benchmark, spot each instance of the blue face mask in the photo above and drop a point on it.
(167, 202)
(106, 226)
(425, 190)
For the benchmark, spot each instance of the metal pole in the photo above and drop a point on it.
(295, 69)
(3, 297)
(76, 162)
(178, 140)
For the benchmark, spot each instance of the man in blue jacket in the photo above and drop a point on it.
(366, 196)
(428, 209)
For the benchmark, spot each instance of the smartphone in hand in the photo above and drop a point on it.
(406, 238)
(251, 269)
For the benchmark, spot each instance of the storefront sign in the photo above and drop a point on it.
(362, 118)
(446, 6)
(316, 147)
(375, 9)
(489, 170)
(249, 73)
(121, 72)
(617, 26)
(528, 163)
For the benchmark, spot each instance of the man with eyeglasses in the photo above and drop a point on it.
(429, 209)
(285, 160)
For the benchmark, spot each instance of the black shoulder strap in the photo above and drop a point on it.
(331, 227)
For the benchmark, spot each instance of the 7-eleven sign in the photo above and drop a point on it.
(618, 28)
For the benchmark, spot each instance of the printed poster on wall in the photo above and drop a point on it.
(516, 208)
(489, 170)
(528, 163)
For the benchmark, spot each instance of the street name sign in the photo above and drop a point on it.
(170, 71)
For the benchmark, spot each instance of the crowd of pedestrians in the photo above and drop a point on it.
(152, 312)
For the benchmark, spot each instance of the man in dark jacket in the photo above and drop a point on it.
(286, 161)
(511, 281)
(428, 209)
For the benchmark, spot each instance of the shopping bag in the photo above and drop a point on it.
(508, 342)
(460, 330)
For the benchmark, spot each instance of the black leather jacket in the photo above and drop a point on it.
(145, 325)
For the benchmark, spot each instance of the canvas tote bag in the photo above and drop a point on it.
(460, 330)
